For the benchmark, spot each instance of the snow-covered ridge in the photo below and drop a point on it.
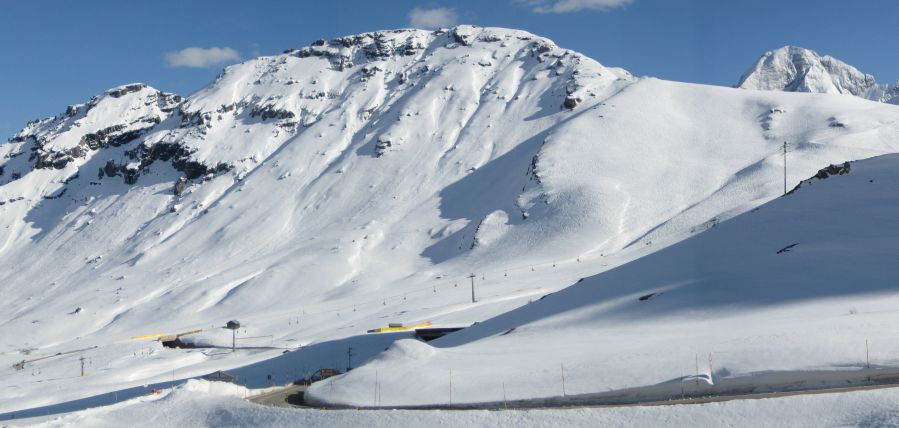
(795, 69)
(112, 119)
(260, 90)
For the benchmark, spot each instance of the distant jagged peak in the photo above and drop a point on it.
(796, 69)
(139, 96)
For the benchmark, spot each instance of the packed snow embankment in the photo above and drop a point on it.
(183, 408)
(730, 304)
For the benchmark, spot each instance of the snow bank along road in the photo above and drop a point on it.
(291, 396)
(693, 390)
(203, 404)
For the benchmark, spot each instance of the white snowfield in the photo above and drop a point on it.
(360, 181)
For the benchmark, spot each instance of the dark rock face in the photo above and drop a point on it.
(111, 136)
(180, 185)
(270, 112)
(57, 160)
(381, 48)
(58, 194)
(178, 155)
(532, 169)
(833, 170)
(116, 93)
(111, 169)
(382, 146)
(823, 173)
(571, 102)
(461, 38)
(372, 46)
(540, 48)
(130, 174)
(369, 72)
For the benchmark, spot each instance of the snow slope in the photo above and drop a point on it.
(795, 69)
(798, 292)
(319, 193)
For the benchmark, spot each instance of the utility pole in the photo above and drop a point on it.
(233, 325)
(451, 387)
(505, 403)
(472, 276)
(867, 355)
(785, 167)
(564, 393)
(82, 365)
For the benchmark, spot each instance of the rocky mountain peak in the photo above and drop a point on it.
(796, 69)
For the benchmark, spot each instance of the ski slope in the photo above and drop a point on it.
(359, 181)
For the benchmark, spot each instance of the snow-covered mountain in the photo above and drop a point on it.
(328, 190)
(795, 69)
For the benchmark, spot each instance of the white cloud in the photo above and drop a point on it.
(200, 57)
(432, 18)
(566, 6)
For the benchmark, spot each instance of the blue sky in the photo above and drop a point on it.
(56, 53)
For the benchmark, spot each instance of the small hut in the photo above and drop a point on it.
(220, 376)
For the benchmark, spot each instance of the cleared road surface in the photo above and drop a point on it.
(291, 396)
